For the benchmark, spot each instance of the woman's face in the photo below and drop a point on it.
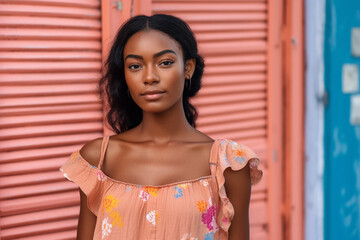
(155, 70)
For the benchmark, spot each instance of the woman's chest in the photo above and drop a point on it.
(157, 166)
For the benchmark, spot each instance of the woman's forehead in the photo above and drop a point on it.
(151, 41)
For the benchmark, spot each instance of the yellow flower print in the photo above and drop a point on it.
(201, 205)
(117, 219)
(184, 185)
(151, 190)
(109, 203)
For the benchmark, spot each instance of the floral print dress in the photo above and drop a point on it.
(197, 209)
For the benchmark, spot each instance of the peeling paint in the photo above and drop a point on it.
(357, 133)
(340, 145)
(357, 174)
(349, 211)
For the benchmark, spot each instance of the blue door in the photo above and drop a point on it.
(342, 126)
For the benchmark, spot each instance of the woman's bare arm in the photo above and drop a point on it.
(238, 190)
(87, 220)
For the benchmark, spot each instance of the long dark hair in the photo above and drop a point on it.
(124, 113)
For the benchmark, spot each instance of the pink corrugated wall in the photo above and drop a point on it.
(50, 60)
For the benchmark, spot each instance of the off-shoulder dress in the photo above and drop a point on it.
(196, 209)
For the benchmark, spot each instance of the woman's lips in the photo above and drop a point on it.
(153, 95)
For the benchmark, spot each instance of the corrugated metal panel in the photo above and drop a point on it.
(50, 62)
(232, 37)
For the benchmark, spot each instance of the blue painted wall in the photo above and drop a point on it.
(341, 139)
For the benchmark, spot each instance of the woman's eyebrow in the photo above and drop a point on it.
(134, 56)
(163, 52)
(154, 56)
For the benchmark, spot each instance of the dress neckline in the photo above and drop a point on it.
(155, 186)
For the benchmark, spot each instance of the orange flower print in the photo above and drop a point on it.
(151, 190)
(117, 220)
(75, 156)
(109, 203)
(239, 156)
(239, 153)
(201, 205)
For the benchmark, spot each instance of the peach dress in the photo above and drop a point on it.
(195, 209)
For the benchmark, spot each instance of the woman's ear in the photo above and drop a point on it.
(190, 68)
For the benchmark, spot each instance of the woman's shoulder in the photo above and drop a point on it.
(91, 151)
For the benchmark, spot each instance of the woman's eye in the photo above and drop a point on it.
(134, 67)
(166, 63)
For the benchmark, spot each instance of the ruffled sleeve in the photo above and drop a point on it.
(236, 156)
(89, 178)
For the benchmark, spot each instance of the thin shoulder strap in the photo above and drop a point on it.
(214, 157)
(104, 145)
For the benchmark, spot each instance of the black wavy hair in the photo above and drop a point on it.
(124, 113)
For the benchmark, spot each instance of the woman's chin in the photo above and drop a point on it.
(154, 108)
(161, 106)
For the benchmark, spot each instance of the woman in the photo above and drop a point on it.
(159, 177)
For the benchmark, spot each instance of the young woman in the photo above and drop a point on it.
(159, 177)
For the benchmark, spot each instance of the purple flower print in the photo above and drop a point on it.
(208, 217)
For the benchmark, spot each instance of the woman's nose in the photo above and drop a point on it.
(151, 76)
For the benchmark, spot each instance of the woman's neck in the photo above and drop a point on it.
(165, 126)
